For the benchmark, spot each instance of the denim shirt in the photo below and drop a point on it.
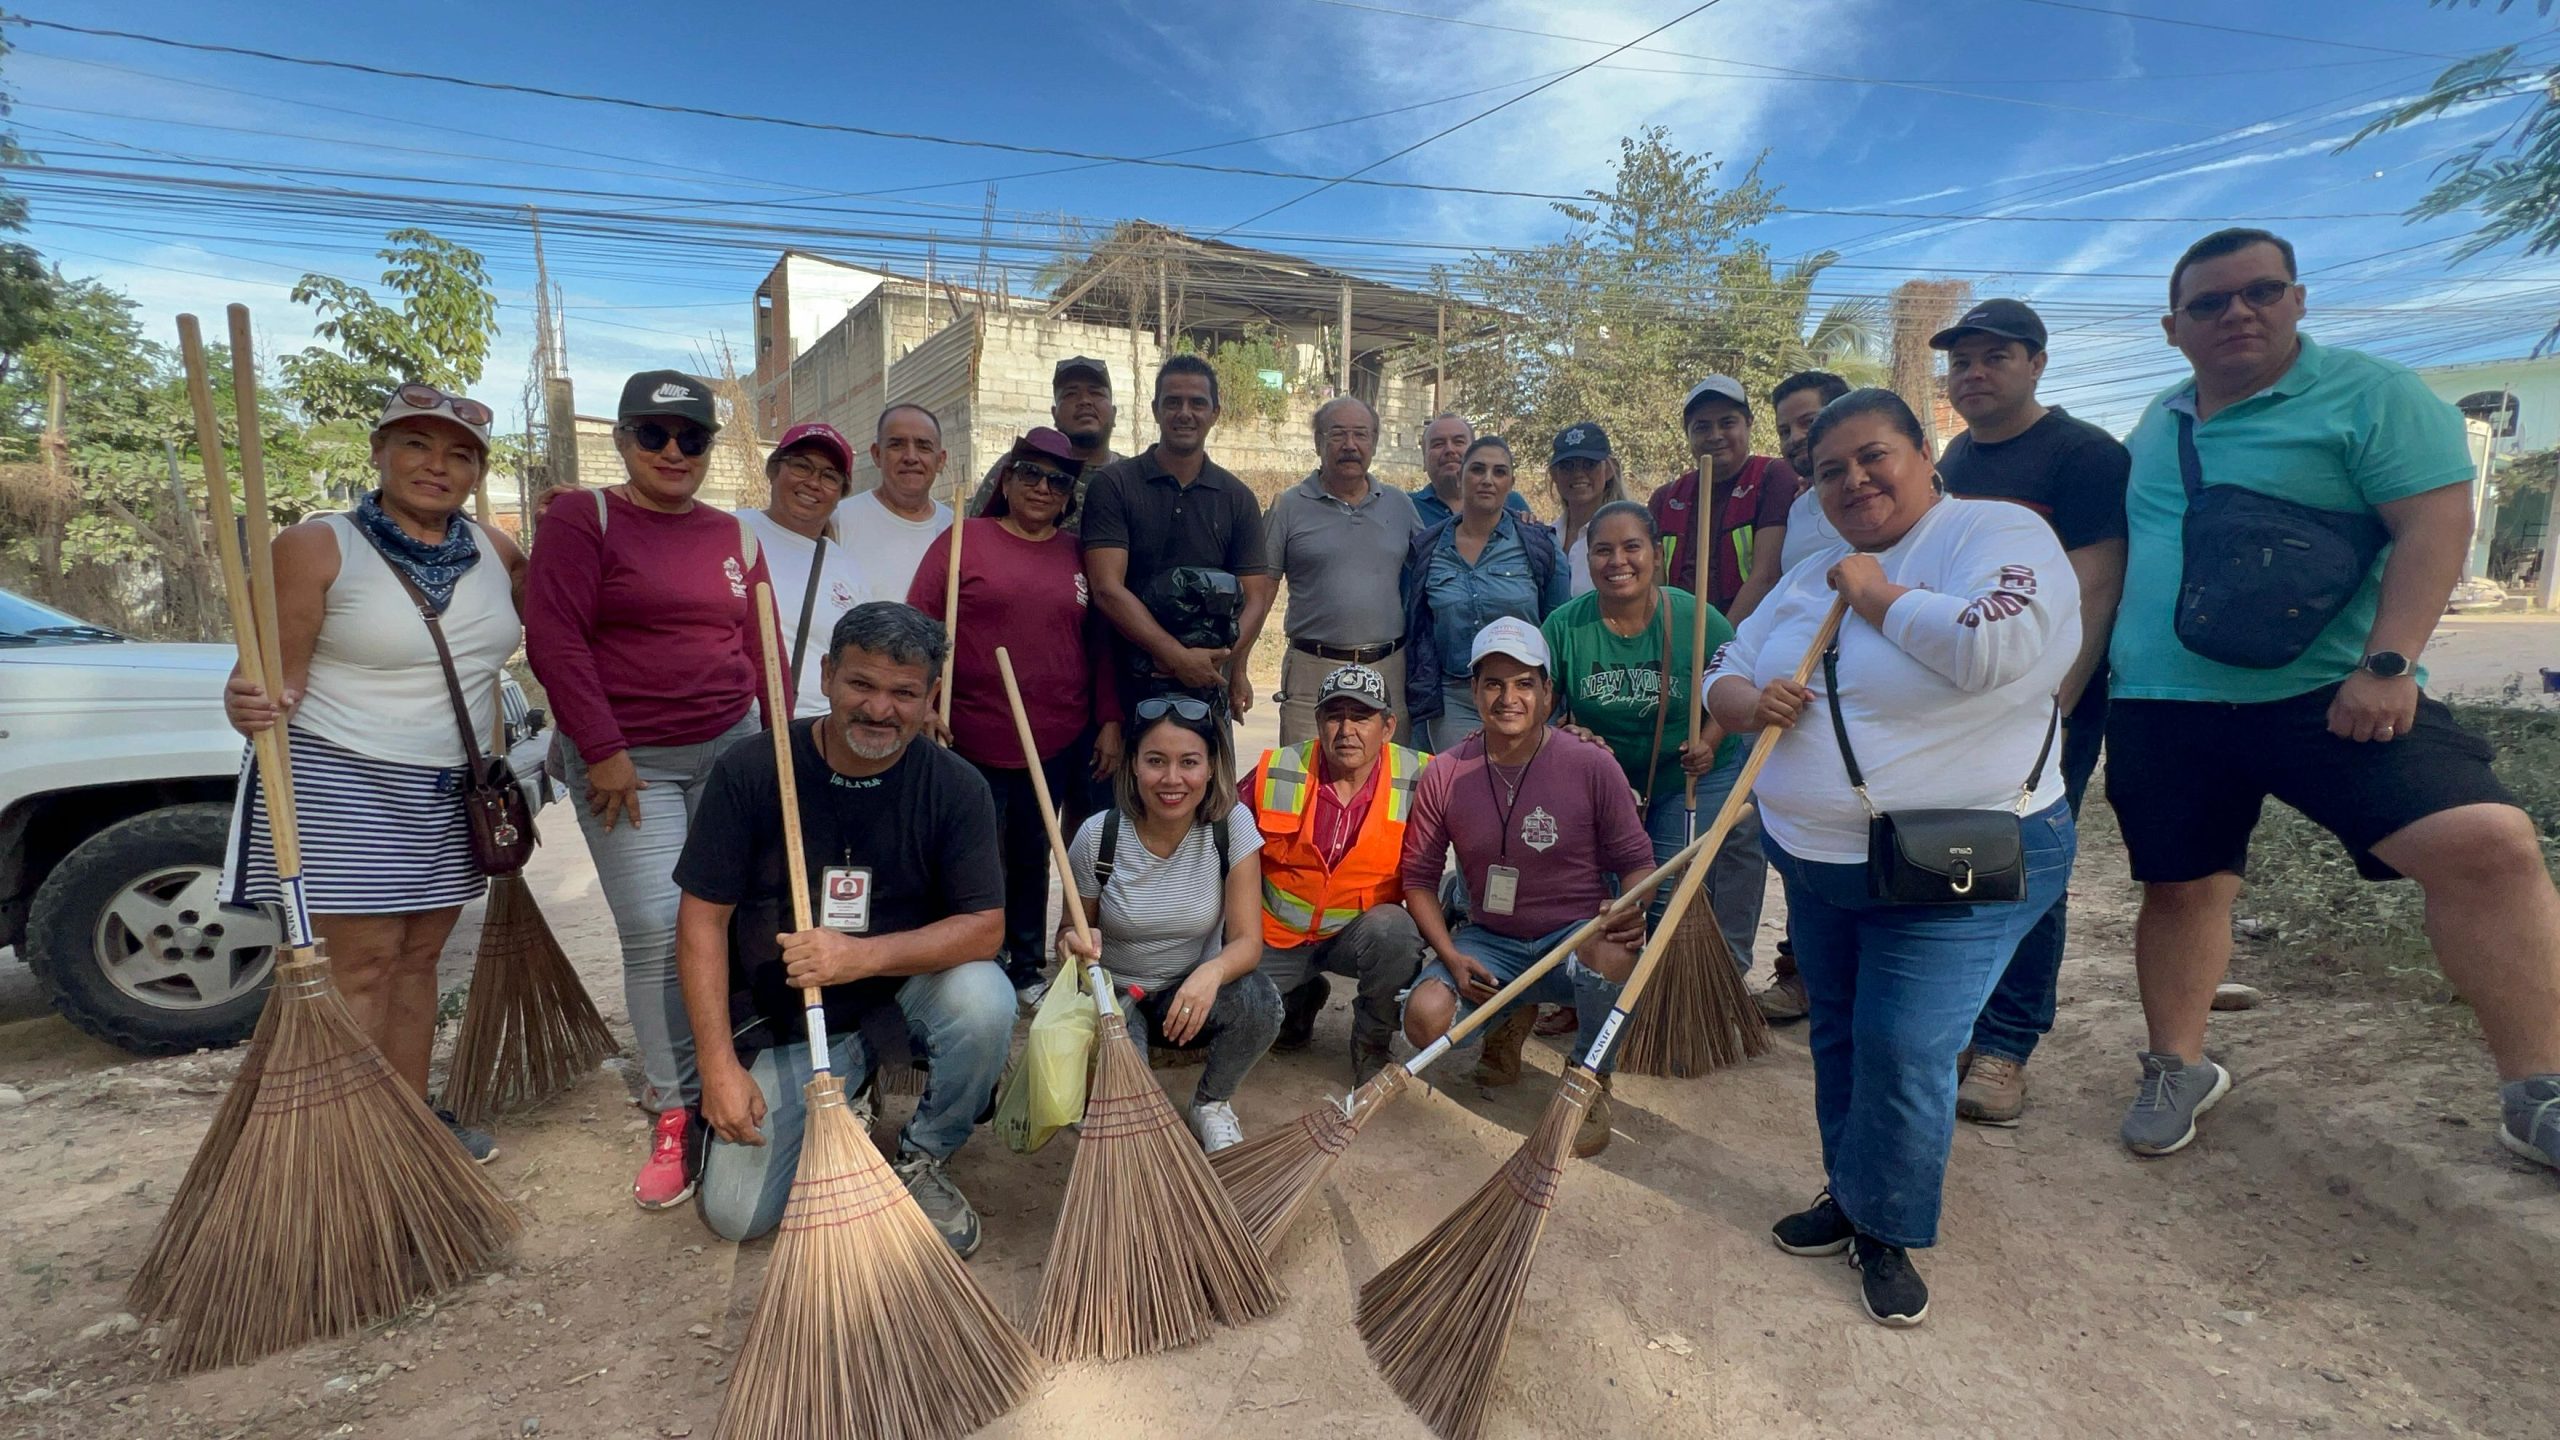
(1465, 598)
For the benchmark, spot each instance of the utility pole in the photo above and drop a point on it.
(1440, 366)
(1346, 338)
(559, 400)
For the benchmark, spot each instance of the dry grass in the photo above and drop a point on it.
(1149, 1252)
(1269, 1179)
(530, 1030)
(868, 1327)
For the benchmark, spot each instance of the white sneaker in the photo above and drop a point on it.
(1028, 998)
(1214, 1121)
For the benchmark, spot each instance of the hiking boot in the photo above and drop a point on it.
(1994, 1091)
(1298, 1011)
(2532, 1127)
(1214, 1121)
(940, 1200)
(1367, 1059)
(1894, 1292)
(1500, 1063)
(1785, 1000)
(667, 1178)
(480, 1145)
(2163, 1118)
(1820, 1230)
(1558, 1020)
(1592, 1136)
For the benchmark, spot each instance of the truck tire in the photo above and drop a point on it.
(128, 939)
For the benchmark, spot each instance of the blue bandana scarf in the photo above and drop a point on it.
(437, 568)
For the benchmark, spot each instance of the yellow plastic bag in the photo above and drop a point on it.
(1046, 1089)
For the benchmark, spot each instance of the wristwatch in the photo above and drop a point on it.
(2385, 664)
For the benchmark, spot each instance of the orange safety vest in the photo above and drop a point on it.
(1303, 900)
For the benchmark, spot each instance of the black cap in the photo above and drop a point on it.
(2008, 319)
(1581, 441)
(669, 392)
(1085, 363)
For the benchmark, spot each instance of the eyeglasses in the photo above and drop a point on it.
(649, 435)
(806, 467)
(2259, 293)
(1057, 480)
(427, 397)
(1182, 707)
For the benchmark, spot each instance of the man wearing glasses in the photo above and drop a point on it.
(1339, 539)
(2321, 452)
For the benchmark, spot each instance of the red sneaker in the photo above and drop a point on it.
(667, 1179)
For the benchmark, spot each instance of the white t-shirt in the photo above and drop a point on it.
(786, 556)
(1808, 530)
(1161, 916)
(1946, 705)
(1577, 556)
(886, 545)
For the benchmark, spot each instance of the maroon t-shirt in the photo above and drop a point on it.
(1756, 497)
(1030, 597)
(1572, 829)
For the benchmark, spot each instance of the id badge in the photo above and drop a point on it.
(846, 902)
(1501, 889)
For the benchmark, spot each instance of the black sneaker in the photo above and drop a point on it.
(1895, 1293)
(479, 1144)
(1298, 1011)
(1822, 1230)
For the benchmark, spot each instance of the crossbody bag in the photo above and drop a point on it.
(1940, 857)
(2263, 576)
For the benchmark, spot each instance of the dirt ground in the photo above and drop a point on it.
(2347, 1251)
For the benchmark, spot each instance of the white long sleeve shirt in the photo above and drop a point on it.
(1946, 705)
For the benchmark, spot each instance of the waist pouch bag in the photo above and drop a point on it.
(2263, 576)
(1199, 607)
(1939, 857)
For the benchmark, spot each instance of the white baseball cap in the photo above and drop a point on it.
(1510, 636)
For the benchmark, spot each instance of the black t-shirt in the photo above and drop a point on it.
(925, 828)
(1213, 523)
(2069, 471)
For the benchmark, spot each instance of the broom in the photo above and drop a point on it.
(868, 1327)
(1148, 1251)
(529, 1030)
(1271, 1178)
(1438, 1319)
(341, 1199)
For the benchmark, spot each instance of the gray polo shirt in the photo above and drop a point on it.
(1342, 561)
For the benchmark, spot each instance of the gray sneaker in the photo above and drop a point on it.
(2532, 1127)
(2163, 1118)
(941, 1201)
(482, 1147)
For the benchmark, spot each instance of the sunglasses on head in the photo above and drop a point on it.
(1181, 707)
(1031, 474)
(423, 396)
(2259, 293)
(649, 435)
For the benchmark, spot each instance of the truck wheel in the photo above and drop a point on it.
(129, 938)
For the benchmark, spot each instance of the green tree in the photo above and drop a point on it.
(2513, 177)
(1653, 287)
(439, 332)
(26, 289)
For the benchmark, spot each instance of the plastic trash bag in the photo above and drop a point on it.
(1045, 1091)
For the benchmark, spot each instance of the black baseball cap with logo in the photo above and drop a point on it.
(2008, 319)
(668, 392)
(1580, 441)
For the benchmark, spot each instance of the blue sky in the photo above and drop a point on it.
(2012, 108)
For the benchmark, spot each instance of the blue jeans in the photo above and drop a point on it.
(962, 1019)
(1894, 989)
(1457, 719)
(636, 868)
(1586, 990)
(1737, 879)
(2020, 1010)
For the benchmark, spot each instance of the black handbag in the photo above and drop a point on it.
(1940, 857)
(2263, 576)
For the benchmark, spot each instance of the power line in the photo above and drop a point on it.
(2114, 14)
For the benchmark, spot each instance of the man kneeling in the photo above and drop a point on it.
(900, 844)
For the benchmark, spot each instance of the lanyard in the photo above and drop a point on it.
(1496, 792)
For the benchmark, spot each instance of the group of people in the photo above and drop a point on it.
(1486, 733)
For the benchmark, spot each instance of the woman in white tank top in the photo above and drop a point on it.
(376, 751)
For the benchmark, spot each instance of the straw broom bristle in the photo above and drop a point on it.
(344, 1198)
(868, 1326)
(1438, 1320)
(150, 1285)
(530, 1029)
(1698, 1016)
(1270, 1179)
(1149, 1252)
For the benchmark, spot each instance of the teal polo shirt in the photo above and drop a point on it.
(2341, 430)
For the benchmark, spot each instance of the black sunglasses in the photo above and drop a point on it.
(2259, 293)
(1057, 480)
(1183, 708)
(649, 435)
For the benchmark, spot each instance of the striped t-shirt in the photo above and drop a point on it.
(1161, 916)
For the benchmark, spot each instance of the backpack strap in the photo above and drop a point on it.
(600, 511)
(1103, 859)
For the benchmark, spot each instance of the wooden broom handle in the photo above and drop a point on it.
(951, 617)
(1734, 805)
(1074, 906)
(794, 852)
(1697, 626)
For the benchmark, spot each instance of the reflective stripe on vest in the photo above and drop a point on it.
(1287, 789)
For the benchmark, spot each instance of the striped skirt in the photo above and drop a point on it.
(378, 838)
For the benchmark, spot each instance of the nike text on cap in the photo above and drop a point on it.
(1510, 636)
(1715, 387)
(668, 392)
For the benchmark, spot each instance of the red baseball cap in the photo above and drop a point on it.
(822, 436)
